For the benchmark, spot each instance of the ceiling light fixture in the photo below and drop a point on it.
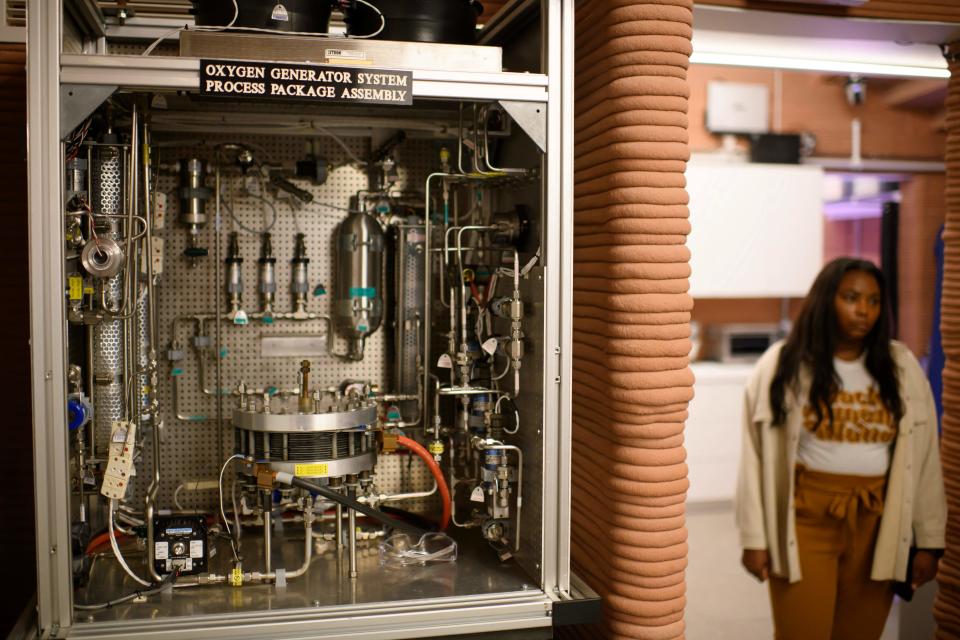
(812, 64)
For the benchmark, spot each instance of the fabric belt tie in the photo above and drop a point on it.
(850, 493)
(845, 506)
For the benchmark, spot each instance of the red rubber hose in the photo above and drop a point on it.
(101, 539)
(418, 449)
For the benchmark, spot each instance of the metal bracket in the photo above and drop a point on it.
(87, 16)
(532, 118)
(579, 605)
(77, 101)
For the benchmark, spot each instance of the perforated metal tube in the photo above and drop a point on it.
(108, 336)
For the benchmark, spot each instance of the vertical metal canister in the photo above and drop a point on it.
(359, 293)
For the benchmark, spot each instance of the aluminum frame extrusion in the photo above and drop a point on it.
(146, 72)
(379, 621)
(47, 318)
(48, 68)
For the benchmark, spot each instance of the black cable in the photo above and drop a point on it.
(350, 503)
(167, 583)
(413, 518)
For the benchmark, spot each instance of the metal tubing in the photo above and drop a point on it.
(510, 447)
(453, 483)
(486, 146)
(463, 287)
(516, 326)
(219, 339)
(427, 292)
(267, 524)
(352, 534)
(91, 427)
(386, 497)
(339, 526)
(307, 547)
(151, 290)
(350, 503)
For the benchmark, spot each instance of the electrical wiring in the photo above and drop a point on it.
(116, 547)
(525, 269)
(516, 413)
(236, 11)
(340, 142)
(176, 497)
(273, 209)
(168, 583)
(76, 138)
(223, 513)
(502, 374)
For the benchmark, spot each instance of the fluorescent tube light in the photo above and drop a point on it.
(813, 64)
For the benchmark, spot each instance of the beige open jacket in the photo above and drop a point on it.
(914, 509)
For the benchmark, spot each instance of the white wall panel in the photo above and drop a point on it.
(757, 229)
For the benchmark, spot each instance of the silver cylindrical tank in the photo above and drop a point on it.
(193, 195)
(359, 292)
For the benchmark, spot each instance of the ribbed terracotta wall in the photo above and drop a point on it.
(947, 607)
(631, 313)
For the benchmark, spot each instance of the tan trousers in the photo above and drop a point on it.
(838, 518)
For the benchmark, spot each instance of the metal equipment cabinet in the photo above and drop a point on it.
(71, 69)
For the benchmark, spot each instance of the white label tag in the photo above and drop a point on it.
(120, 434)
(477, 494)
(445, 361)
(490, 346)
(196, 548)
(345, 54)
(161, 550)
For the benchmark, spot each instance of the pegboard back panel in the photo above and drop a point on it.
(188, 288)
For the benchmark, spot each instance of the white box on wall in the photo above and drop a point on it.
(756, 229)
(737, 107)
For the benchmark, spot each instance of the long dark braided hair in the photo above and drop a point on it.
(813, 341)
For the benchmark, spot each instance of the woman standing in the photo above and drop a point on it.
(840, 471)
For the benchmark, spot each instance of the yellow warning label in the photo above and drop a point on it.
(316, 469)
(76, 287)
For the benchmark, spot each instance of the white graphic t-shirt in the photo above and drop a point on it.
(858, 441)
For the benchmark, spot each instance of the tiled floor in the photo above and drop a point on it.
(725, 603)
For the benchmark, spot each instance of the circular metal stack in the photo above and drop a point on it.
(335, 439)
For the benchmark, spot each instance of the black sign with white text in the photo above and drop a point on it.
(316, 83)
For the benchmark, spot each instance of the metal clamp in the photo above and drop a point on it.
(102, 258)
